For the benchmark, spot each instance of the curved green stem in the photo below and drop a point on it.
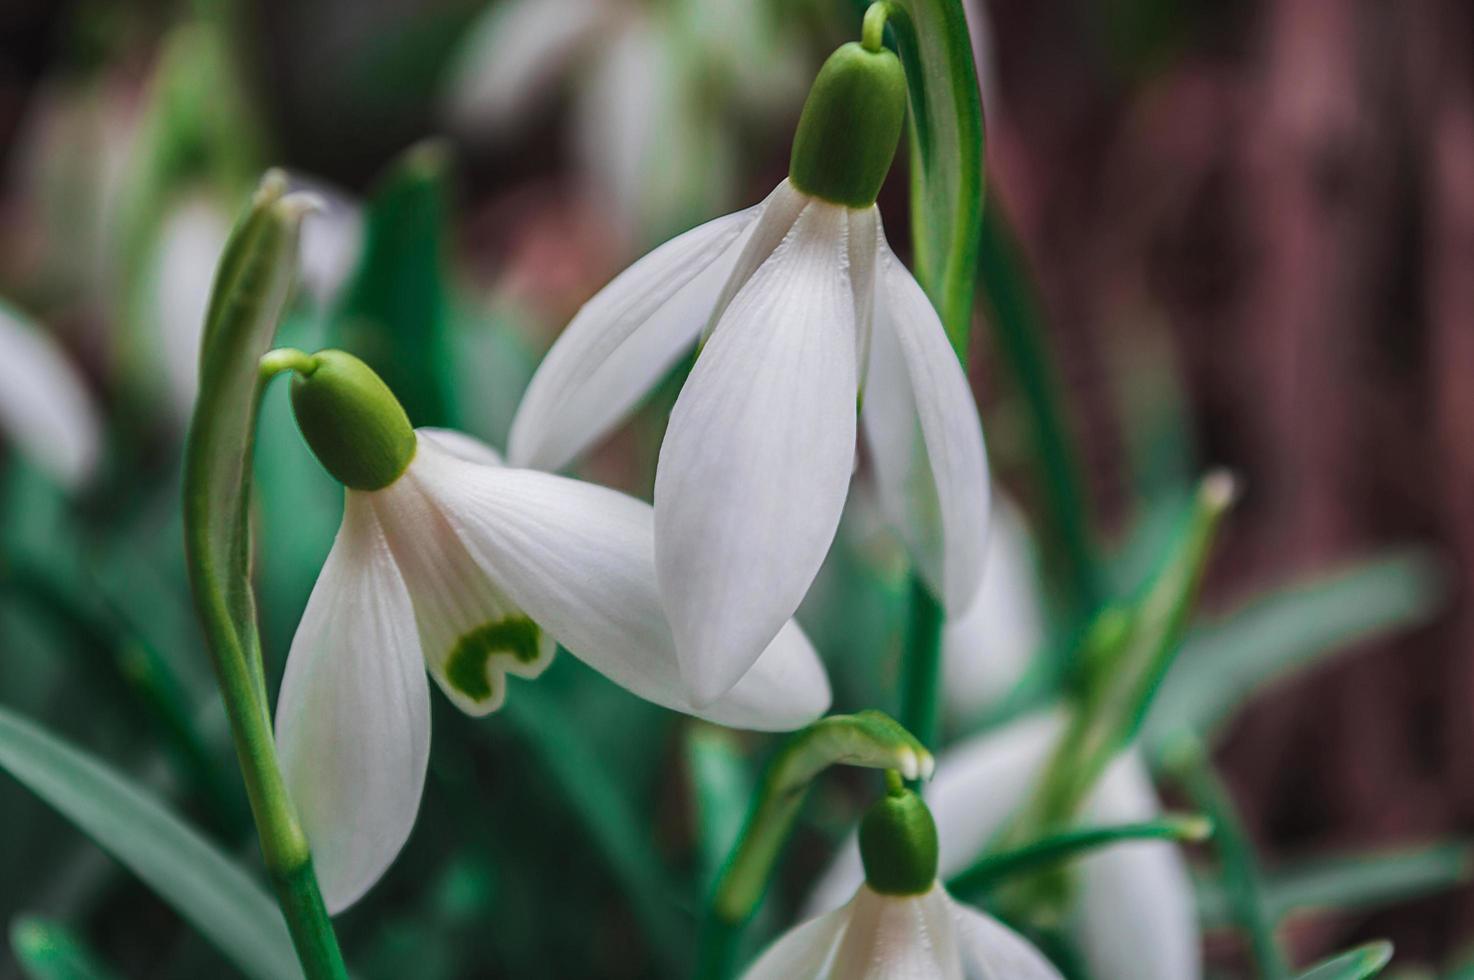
(869, 739)
(872, 31)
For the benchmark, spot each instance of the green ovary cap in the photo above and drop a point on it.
(898, 844)
(350, 418)
(850, 127)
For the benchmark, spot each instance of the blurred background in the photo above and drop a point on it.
(1244, 233)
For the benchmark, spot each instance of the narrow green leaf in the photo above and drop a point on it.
(1059, 848)
(49, 950)
(946, 154)
(1288, 630)
(206, 888)
(1354, 881)
(396, 312)
(1356, 964)
(1243, 883)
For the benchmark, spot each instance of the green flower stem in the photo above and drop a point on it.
(946, 215)
(256, 273)
(872, 31)
(1243, 885)
(922, 674)
(869, 739)
(1015, 314)
(1052, 851)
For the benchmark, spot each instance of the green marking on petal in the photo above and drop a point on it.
(517, 637)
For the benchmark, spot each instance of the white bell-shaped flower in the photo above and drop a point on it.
(800, 298)
(901, 922)
(450, 562)
(45, 407)
(1134, 916)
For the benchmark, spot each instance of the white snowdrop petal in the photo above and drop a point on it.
(579, 559)
(460, 445)
(1135, 918)
(898, 938)
(471, 633)
(353, 717)
(756, 460)
(780, 209)
(926, 439)
(990, 647)
(622, 341)
(802, 953)
(991, 951)
(186, 253)
(511, 56)
(44, 404)
(864, 250)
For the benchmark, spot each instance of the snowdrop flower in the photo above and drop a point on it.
(44, 404)
(901, 922)
(450, 562)
(1134, 916)
(988, 650)
(756, 462)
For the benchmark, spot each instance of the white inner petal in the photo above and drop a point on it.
(472, 634)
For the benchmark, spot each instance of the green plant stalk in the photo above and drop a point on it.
(1018, 324)
(922, 677)
(251, 285)
(946, 217)
(869, 739)
(1053, 851)
(1243, 885)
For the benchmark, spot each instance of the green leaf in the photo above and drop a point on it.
(396, 312)
(946, 154)
(203, 886)
(1288, 630)
(1355, 881)
(1356, 964)
(1059, 848)
(49, 950)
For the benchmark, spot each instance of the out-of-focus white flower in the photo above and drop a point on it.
(989, 649)
(473, 571)
(797, 297)
(650, 81)
(901, 922)
(45, 407)
(1134, 916)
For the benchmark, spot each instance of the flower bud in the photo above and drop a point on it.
(350, 418)
(850, 127)
(898, 843)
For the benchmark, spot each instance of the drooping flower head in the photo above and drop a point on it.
(1134, 916)
(802, 304)
(901, 922)
(451, 562)
(45, 407)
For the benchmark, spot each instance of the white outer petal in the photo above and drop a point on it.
(186, 253)
(622, 341)
(579, 560)
(989, 649)
(1136, 918)
(353, 718)
(898, 938)
(991, 951)
(460, 445)
(512, 54)
(756, 461)
(44, 403)
(803, 952)
(935, 488)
